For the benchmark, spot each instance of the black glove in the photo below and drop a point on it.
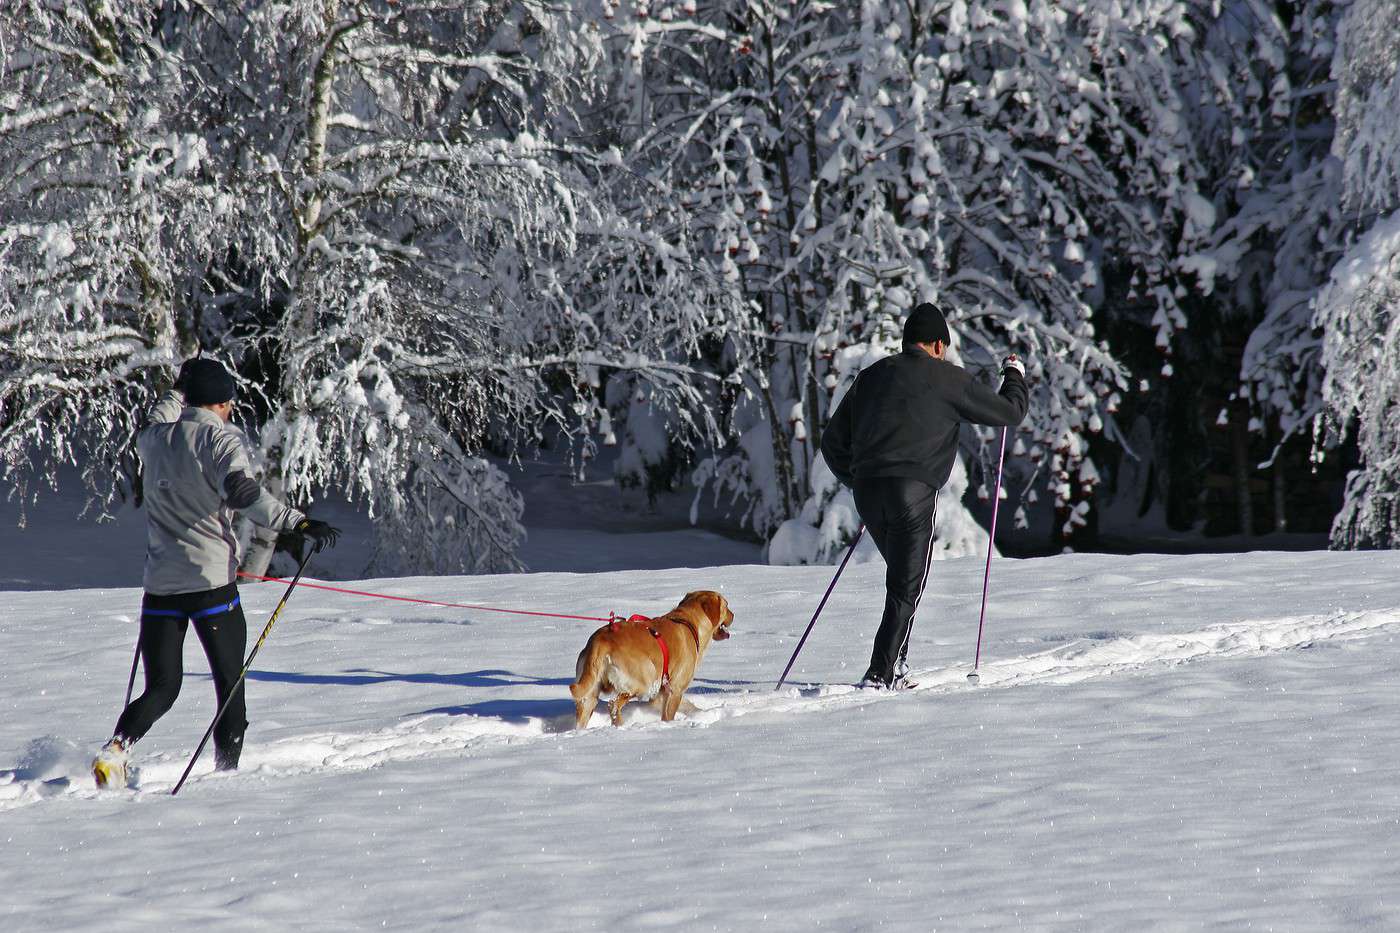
(321, 534)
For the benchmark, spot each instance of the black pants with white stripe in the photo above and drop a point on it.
(219, 623)
(898, 514)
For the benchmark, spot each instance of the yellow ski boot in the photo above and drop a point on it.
(110, 765)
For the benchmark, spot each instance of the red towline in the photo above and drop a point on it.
(431, 602)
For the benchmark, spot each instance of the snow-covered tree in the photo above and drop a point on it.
(1271, 179)
(383, 228)
(432, 234)
(1006, 159)
(404, 247)
(1358, 313)
(105, 218)
(1367, 70)
(1312, 178)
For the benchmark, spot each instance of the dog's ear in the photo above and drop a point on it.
(713, 604)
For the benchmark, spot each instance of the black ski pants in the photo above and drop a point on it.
(899, 515)
(218, 621)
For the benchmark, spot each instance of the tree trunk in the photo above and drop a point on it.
(1239, 449)
(1280, 497)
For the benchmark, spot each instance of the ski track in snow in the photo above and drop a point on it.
(41, 776)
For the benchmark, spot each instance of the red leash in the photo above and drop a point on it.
(432, 602)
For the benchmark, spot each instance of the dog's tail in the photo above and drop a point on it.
(588, 679)
(588, 673)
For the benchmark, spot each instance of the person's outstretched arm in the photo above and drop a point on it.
(241, 492)
(246, 496)
(1006, 408)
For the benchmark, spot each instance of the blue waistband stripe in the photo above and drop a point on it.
(214, 610)
(200, 614)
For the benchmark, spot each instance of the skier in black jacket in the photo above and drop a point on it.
(893, 440)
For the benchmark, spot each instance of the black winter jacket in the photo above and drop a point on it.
(901, 418)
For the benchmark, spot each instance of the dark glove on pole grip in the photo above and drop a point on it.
(321, 534)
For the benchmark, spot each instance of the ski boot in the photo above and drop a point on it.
(873, 681)
(226, 758)
(109, 768)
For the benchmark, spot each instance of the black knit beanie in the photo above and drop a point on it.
(207, 382)
(926, 325)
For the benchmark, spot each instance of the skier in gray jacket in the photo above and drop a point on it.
(196, 475)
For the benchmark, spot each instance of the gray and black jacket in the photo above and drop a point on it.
(196, 476)
(902, 414)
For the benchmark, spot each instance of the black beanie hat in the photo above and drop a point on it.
(926, 325)
(207, 382)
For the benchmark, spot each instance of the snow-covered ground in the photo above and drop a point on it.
(1157, 742)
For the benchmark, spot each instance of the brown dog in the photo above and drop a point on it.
(628, 660)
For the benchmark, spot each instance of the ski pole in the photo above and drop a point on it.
(131, 681)
(987, 574)
(821, 605)
(237, 684)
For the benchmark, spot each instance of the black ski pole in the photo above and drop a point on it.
(987, 574)
(820, 606)
(131, 681)
(237, 684)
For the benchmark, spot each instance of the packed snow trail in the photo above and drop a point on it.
(446, 735)
(1151, 747)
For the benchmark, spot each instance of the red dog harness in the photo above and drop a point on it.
(661, 642)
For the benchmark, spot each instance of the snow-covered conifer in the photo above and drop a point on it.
(1358, 312)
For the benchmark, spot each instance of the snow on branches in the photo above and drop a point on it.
(847, 161)
(422, 229)
(437, 233)
(1367, 71)
(105, 215)
(1359, 314)
(377, 211)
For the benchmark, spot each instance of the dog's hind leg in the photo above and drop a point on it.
(615, 707)
(585, 701)
(587, 684)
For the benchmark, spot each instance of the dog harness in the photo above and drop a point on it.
(661, 642)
